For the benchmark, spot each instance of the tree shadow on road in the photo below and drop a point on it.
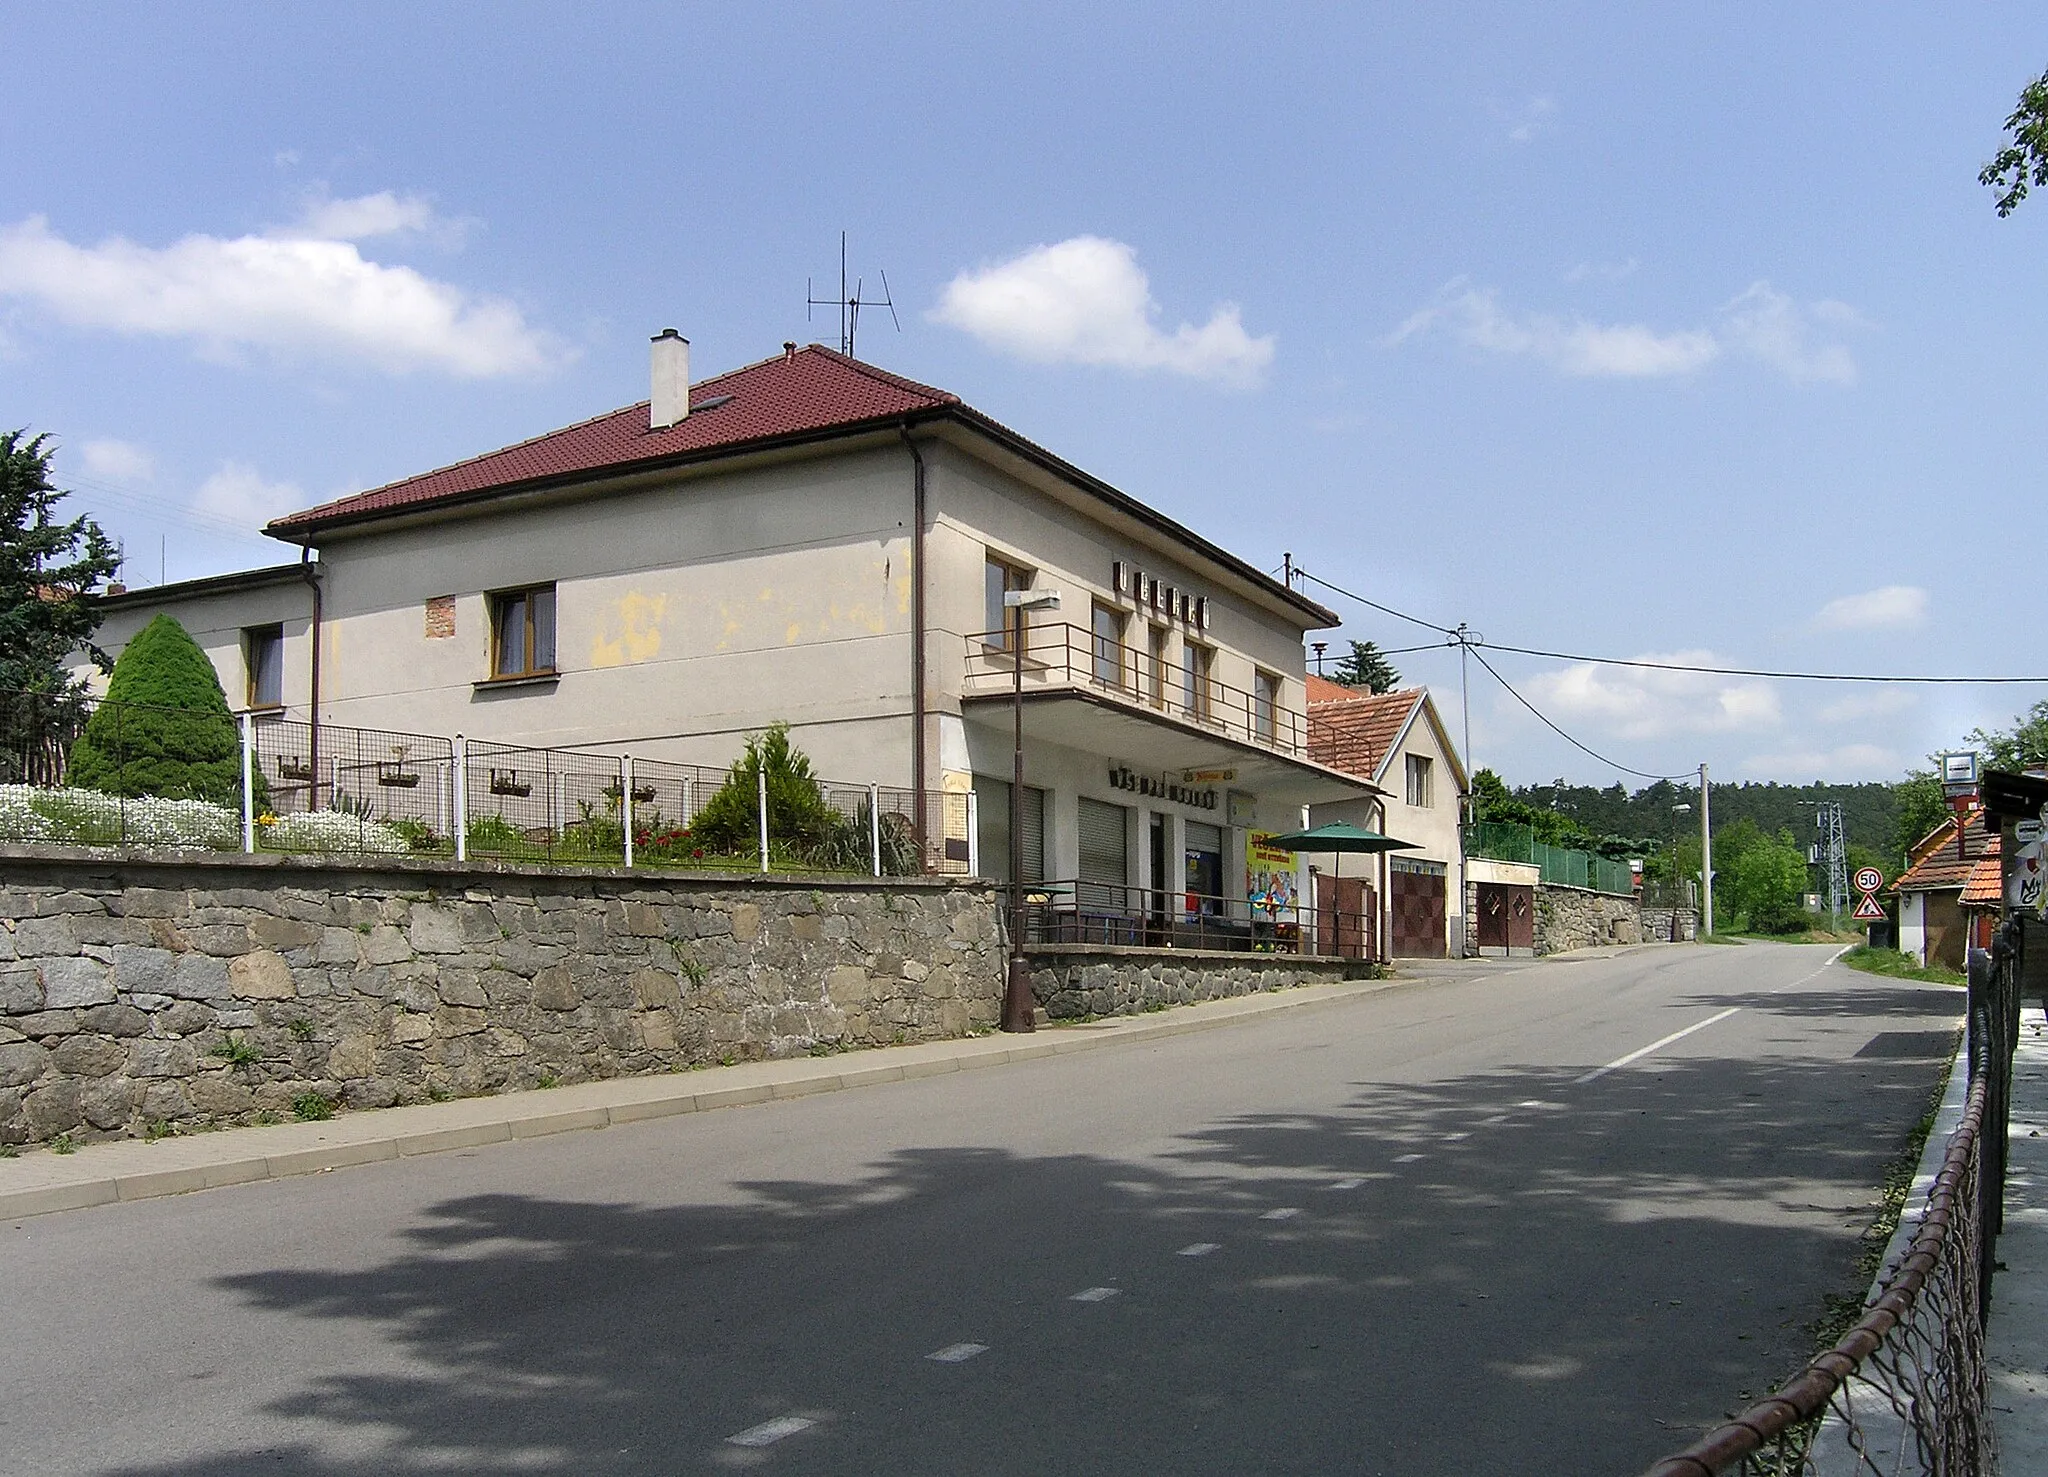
(1502, 1272)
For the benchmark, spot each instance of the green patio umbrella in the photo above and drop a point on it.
(1339, 836)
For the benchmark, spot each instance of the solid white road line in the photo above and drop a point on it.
(956, 1353)
(1094, 1294)
(1658, 1045)
(1200, 1248)
(770, 1432)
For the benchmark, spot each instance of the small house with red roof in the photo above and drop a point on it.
(1398, 741)
(1949, 895)
(811, 539)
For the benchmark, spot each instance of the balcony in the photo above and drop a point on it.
(1068, 657)
(1101, 697)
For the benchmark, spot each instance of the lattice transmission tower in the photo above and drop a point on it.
(1834, 854)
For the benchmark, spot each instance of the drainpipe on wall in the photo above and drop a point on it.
(917, 652)
(310, 572)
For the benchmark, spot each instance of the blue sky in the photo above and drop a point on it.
(1623, 330)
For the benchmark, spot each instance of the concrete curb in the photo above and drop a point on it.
(132, 1169)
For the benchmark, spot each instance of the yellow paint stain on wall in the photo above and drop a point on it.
(631, 631)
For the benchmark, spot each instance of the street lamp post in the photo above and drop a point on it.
(1017, 1001)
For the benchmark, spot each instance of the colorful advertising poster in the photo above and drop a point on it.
(1269, 882)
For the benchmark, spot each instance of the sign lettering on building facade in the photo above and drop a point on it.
(1157, 787)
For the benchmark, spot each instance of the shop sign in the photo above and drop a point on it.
(1269, 876)
(1157, 787)
(1208, 776)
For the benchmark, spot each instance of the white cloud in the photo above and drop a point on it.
(1575, 347)
(1605, 271)
(1844, 764)
(1761, 323)
(1767, 325)
(381, 214)
(292, 295)
(1533, 118)
(1890, 608)
(1861, 707)
(238, 494)
(1086, 301)
(1646, 703)
(117, 461)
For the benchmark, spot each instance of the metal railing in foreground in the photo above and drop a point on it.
(284, 785)
(1904, 1390)
(1071, 911)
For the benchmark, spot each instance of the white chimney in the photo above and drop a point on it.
(670, 363)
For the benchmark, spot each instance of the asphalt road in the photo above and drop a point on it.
(1420, 1232)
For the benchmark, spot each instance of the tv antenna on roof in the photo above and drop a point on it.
(849, 304)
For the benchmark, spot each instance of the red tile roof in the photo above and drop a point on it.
(1986, 887)
(1351, 730)
(813, 389)
(1937, 868)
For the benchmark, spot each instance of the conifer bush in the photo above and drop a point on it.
(165, 728)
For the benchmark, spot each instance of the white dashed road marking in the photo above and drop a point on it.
(1282, 1213)
(1200, 1248)
(770, 1432)
(956, 1353)
(1408, 1158)
(1657, 1045)
(1094, 1294)
(1344, 1185)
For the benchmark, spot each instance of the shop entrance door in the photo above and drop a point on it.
(1158, 927)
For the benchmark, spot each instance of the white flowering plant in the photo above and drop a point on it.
(329, 830)
(90, 818)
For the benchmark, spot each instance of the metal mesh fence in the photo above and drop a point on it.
(1564, 866)
(328, 788)
(1904, 1391)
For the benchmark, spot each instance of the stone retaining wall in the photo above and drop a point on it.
(1076, 981)
(1576, 918)
(1671, 925)
(142, 995)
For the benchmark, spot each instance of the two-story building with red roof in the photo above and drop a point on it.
(807, 539)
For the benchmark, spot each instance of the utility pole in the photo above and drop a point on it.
(1706, 858)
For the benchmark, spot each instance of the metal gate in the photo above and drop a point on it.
(1417, 901)
(1507, 917)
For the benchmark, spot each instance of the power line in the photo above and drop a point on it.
(1374, 604)
(1611, 763)
(1615, 661)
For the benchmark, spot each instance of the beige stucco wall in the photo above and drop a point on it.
(216, 622)
(695, 608)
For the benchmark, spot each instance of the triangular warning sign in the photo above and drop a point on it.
(1868, 911)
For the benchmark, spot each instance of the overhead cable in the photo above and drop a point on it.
(1541, 717)
(1616, 661)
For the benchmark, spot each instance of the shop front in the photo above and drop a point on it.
(1144, 833)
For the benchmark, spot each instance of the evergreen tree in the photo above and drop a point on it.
(1367, 668)
(798, 813)
(165, 728)
(47, 573)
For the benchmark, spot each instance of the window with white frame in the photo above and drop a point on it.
(1420, 781)
(263, 659)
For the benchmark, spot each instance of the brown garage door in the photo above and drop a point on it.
(1418, 906)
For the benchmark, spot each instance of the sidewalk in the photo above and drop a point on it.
(2016, 1342)
(132, 1169)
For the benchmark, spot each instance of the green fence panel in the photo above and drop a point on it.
(1562, 866)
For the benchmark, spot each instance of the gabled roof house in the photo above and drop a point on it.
(811, 539)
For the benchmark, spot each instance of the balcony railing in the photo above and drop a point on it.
(1070, 657)
(1077, 912)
